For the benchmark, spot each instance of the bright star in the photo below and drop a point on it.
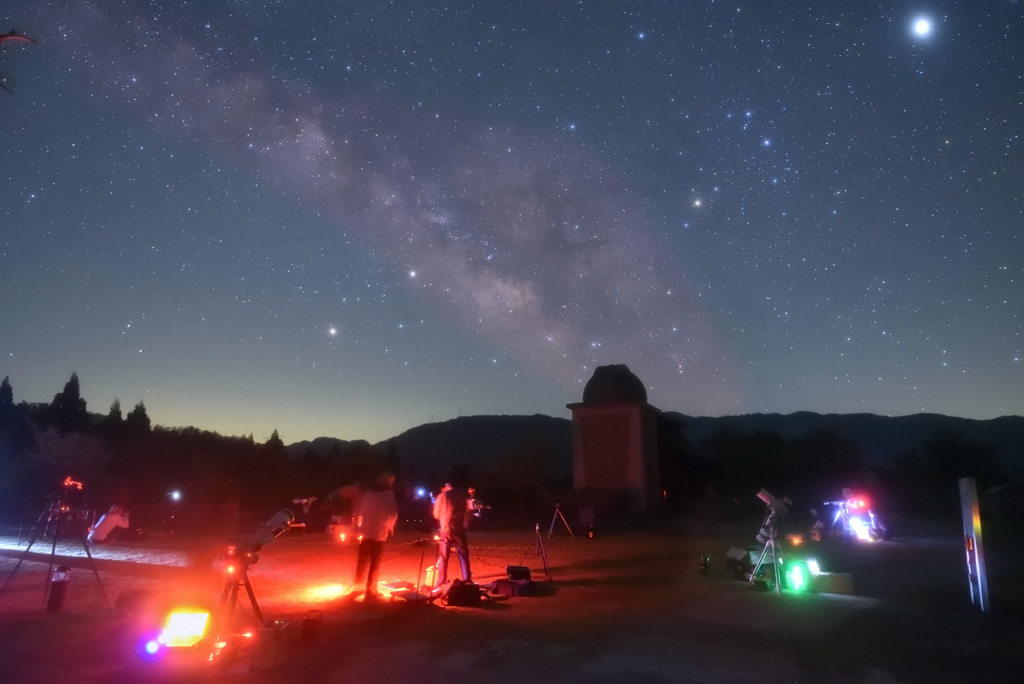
(922, 27)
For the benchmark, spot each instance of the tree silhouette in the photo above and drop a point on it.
(949, 456)
(67, 411)
(15, 439)
(56, 455)
(746, 462)
(137, 419)
(6, 394)
(827, 461)
(515, 477)
(275, 445)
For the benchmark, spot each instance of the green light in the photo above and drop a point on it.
(796, 577)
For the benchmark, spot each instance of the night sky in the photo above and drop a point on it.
(352, 218)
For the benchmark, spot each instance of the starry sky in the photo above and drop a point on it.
(353, 218)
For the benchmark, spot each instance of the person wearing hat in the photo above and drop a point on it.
(451, 509)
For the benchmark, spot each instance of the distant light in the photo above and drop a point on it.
(175, 495)
(922, 27)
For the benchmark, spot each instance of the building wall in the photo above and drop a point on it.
(615, 447)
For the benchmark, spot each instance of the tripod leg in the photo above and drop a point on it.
(92, 562)
(419, 570)
(777, 566)
(225, 608)
(566, 523)
(228, 597)
(49, 569)
(760, 560)
(544, 555)
(252, 600)
(32, 537)
(554, 517)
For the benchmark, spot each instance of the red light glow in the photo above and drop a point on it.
(322, 592)
(858, 502)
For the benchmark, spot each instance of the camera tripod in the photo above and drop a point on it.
(555, 517)
(52, 523)
(537, 546)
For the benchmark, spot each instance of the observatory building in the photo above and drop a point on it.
(615, 442)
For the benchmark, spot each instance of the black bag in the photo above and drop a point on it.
(463, 594)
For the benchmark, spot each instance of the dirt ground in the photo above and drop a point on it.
(629, 604)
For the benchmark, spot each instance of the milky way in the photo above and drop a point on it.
(754, 209)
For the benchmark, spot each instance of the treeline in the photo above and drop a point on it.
(732, 465)
(123, 459)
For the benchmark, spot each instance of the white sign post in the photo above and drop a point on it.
(972, 543)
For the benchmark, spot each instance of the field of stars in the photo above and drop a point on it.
(350, 219)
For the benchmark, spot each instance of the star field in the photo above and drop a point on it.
(349, 219)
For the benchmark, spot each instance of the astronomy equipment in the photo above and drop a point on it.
(854, 519)
(775, 513)
(476, 506)
(56, 519)
(238, 557)
(198, 631)
(113, 519)
(538, 548)
(554, 518)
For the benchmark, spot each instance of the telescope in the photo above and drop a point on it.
(191, 631)
(776, 512)
(247, 547)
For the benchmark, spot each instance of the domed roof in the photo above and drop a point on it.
(614, 383)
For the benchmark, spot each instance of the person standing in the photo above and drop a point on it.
(451, 509)
(375, 522)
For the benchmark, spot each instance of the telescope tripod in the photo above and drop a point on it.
(770, 544)
(555, 517)
(537, 546)
(423, 544)
(51, 523)
(229, 596)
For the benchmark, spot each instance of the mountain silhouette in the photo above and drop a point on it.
(430, 451)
